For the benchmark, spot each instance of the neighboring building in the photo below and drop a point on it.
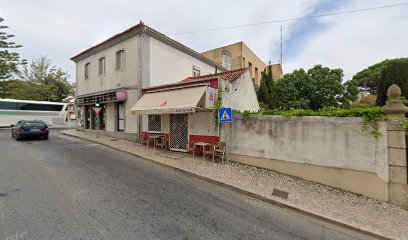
(113, 73)
(238, 55)
(70, 101)
(277, 72)
(183, 111)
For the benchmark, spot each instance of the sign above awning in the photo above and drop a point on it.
(184, 100)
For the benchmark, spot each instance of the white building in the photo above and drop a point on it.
(183, 112)
(113, 73)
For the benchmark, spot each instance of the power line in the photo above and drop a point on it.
(295, 19)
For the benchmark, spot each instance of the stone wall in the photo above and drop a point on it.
(333, 151)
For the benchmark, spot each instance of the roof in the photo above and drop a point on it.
(230, 76)
(138, 29)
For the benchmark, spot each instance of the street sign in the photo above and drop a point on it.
(225, 115)
(96, 110)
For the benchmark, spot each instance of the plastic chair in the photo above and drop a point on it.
(219, 150)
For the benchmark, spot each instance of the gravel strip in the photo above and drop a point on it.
(351, 209)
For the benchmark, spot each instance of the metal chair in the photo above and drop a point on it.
(163, 142)
(143, 138)
(191, 147)
(219, 150)
(209, 150)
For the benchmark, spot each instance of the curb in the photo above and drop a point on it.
(253, 195)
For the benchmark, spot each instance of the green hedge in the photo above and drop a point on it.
(371, 112)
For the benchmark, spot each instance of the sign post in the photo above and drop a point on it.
(97, 109)
(225, 116)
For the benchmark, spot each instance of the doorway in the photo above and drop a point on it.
(178, 135)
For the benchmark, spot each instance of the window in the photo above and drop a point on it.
(154, 123)
(87, 70)
(102, 66)
(196, 71)
(31, 106)
(120, 60)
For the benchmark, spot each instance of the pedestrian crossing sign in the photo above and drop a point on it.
(225, 115)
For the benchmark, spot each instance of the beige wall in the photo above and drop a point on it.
(306, 147)
(131, 120)
(113, 78)
(239, 51)
(366, 183)
(256, 62)
(111, 120)
(202, 123)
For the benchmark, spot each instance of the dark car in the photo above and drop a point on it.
(30, 129)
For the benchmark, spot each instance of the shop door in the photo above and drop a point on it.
(178, 132)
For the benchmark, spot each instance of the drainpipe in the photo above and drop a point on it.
(139, 43)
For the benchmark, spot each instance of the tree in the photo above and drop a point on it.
(317, 88)
(369, 77)
(45, 81)
(265, 90)
(394, 73)
(9, 60)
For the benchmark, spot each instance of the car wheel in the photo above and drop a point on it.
(46, 138)
(18, 138)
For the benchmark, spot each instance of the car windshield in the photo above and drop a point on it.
(34, 124)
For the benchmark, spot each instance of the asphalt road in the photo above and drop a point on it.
(66, 188)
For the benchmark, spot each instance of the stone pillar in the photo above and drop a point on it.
(397, 159)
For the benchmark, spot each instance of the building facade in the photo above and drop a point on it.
(113, 73)
(237, 56)
(183, 112)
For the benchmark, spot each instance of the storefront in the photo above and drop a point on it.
(112, 111)
(182, 114)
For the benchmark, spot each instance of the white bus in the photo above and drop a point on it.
(12, 111)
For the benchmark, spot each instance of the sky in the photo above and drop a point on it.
(62, 29)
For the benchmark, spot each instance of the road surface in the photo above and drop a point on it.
(67, 188)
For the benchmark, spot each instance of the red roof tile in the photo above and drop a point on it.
(230, 76)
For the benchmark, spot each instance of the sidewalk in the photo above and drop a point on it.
(345, 208)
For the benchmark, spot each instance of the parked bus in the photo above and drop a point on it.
(12, 111)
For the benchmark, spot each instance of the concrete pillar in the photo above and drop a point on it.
(397, 159)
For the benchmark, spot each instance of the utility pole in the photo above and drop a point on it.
(281, 30)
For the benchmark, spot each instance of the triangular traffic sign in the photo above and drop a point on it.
(225, 116)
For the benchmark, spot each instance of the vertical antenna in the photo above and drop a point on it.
(281, 29)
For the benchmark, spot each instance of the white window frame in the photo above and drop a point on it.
(196, 71)
(120, 60)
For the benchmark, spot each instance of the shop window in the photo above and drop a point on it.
(121, 116)
(154, 123)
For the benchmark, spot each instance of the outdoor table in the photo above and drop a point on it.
(202, 144)
(154, 137)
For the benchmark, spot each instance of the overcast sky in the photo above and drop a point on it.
(61, 29)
